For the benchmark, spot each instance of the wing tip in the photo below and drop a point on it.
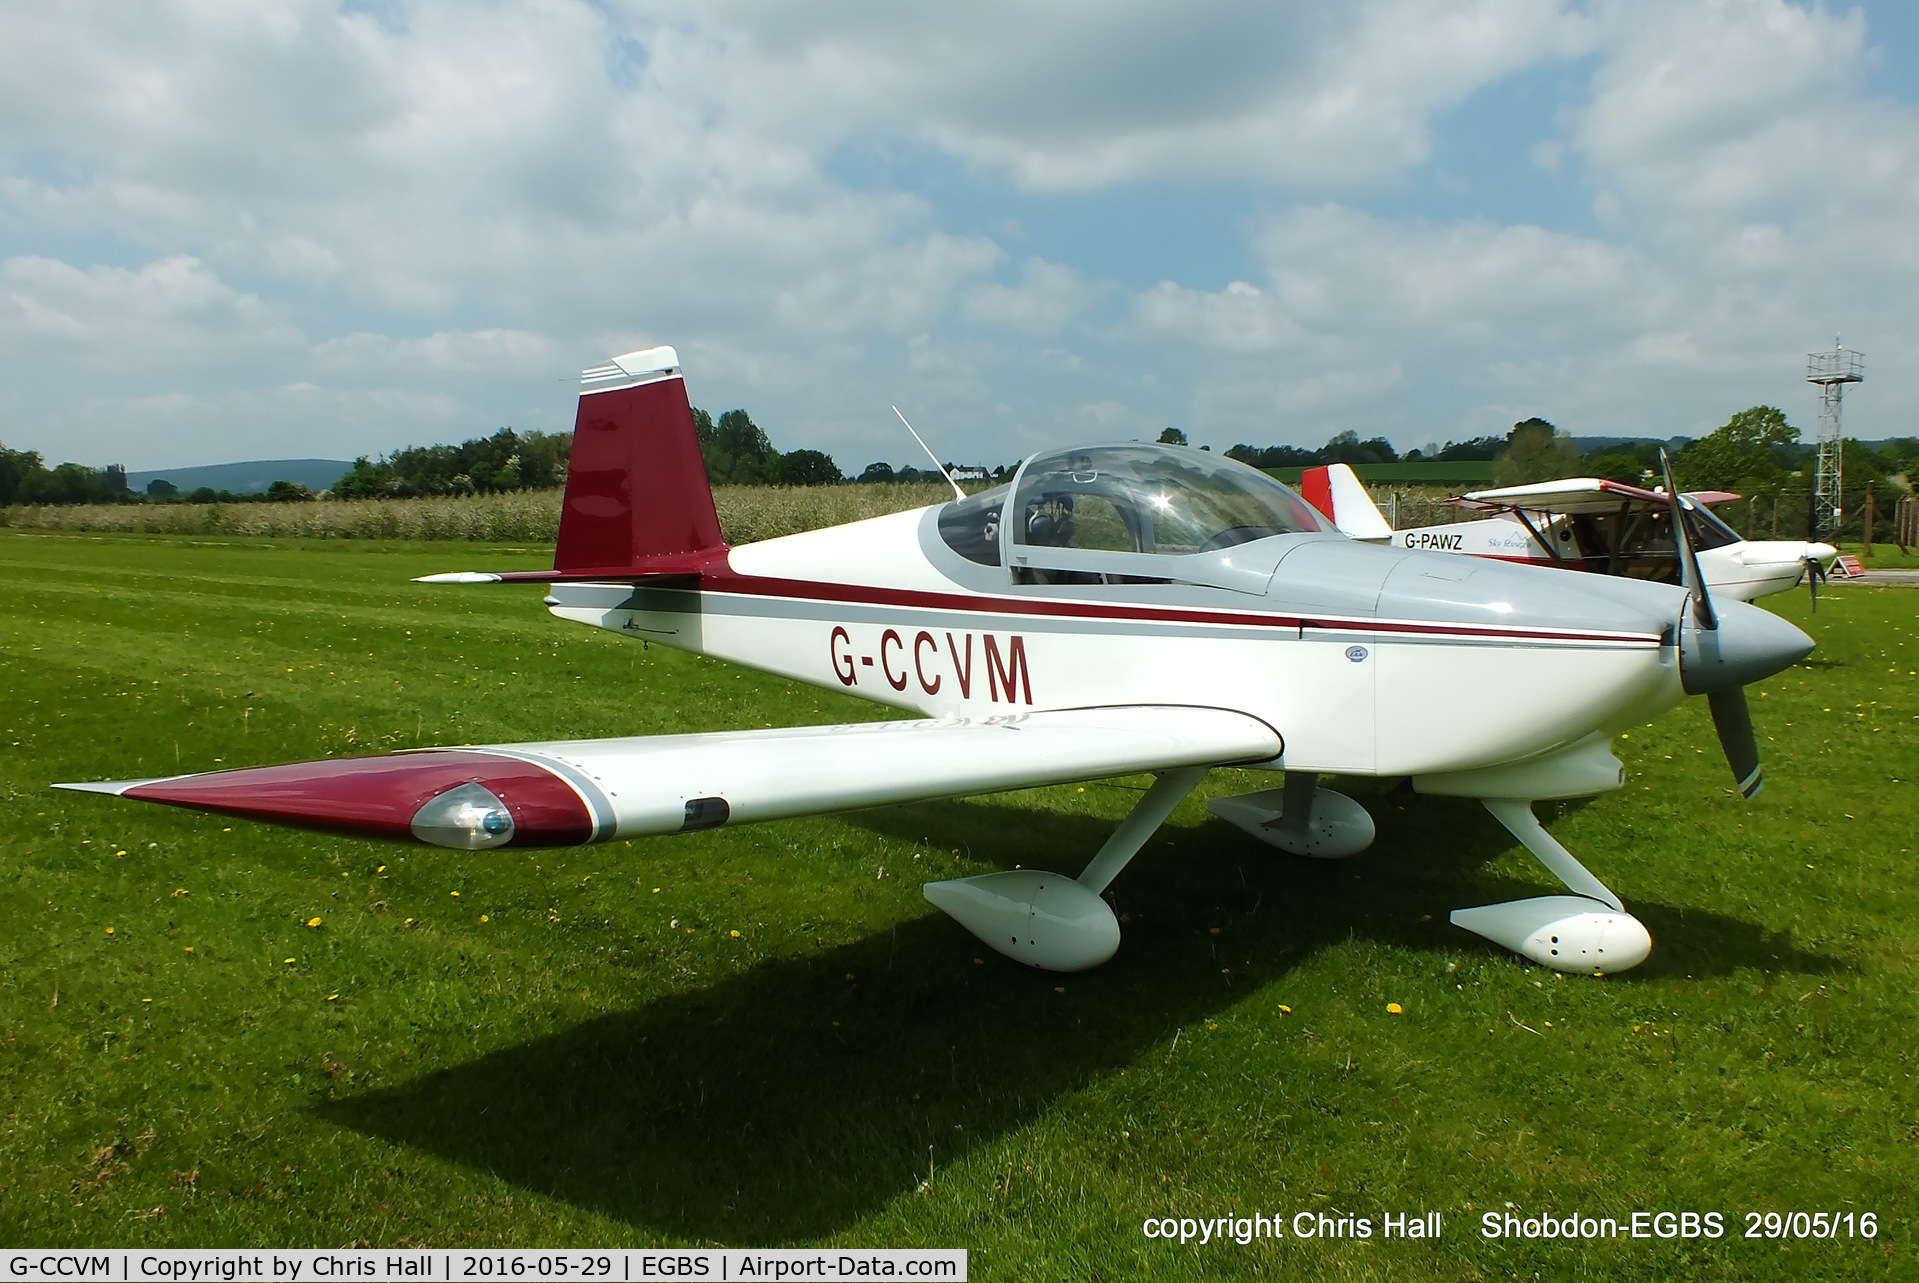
(458, 577)
(113, 788)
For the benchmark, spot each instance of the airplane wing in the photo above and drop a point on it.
(1572, 494)
(1582, 494)
(568, 792)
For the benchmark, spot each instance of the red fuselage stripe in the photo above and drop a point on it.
(861, 594)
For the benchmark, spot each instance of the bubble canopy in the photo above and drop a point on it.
(1162, 500)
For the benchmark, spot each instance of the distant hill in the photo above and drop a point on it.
(247, 478)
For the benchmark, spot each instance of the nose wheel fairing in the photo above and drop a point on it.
(1589, 933)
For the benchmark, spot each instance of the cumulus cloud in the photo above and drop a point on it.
(227, 220)
(1047, 298)
(1080, 94)
(169, 309)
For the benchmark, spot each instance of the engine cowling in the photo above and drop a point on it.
(1045, 920)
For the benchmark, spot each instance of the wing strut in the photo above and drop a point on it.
(1540, 539)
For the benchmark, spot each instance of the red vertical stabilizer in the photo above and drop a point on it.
(636, 488)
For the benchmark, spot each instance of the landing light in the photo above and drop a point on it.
(466, 817)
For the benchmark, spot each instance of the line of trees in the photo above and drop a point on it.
(1346, 447)
(25, 478)
(1755, 449)
(507, 460)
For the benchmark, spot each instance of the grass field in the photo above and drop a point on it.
(573, 1047)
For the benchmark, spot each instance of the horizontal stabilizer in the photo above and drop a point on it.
(666, 566)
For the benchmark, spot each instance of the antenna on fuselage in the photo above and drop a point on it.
(957, 492)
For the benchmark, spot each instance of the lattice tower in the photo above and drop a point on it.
(1831, 372)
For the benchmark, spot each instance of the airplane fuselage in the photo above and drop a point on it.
(1366, 660)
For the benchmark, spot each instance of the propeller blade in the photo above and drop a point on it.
(1689, 576)
(1733, 720)
(1813, 574)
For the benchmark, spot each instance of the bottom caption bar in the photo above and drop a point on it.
(374, 1265)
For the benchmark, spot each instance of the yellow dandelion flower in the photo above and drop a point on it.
(290, 962)
(189, 948)
(484, 918)
(1285, 1010)
(1549, 1024)
(313, 922)
(656, 890)
(1210, 1025)
(109, 930)
(1394, 1009)
(734, 934)
(333, 997)
(1059, 988)
(455, 894)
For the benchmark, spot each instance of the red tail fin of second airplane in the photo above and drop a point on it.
(1337, 491)
(637, 497)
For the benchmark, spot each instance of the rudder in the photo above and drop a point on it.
(636, 487)
(1337, 491)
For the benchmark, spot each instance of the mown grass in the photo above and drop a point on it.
(602, 1062)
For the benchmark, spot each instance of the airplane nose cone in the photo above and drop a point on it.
(1823, 551)
(1749, 644)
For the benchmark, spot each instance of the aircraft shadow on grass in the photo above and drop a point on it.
(790, 1101)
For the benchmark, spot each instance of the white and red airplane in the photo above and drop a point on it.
(1590, 524)
(1114, 609)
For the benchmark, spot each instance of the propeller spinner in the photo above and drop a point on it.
(1720, 650)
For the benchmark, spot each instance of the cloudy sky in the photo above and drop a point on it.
(235, 229)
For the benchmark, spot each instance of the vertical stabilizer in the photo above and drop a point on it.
(636, 488)
(1337, 491)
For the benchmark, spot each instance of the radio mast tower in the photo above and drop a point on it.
(1831, 371)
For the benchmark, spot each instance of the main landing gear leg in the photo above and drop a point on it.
(1587, 932)
(1049, 920)
(1301, 818)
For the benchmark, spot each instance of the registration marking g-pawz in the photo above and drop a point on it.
(1426, 539)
